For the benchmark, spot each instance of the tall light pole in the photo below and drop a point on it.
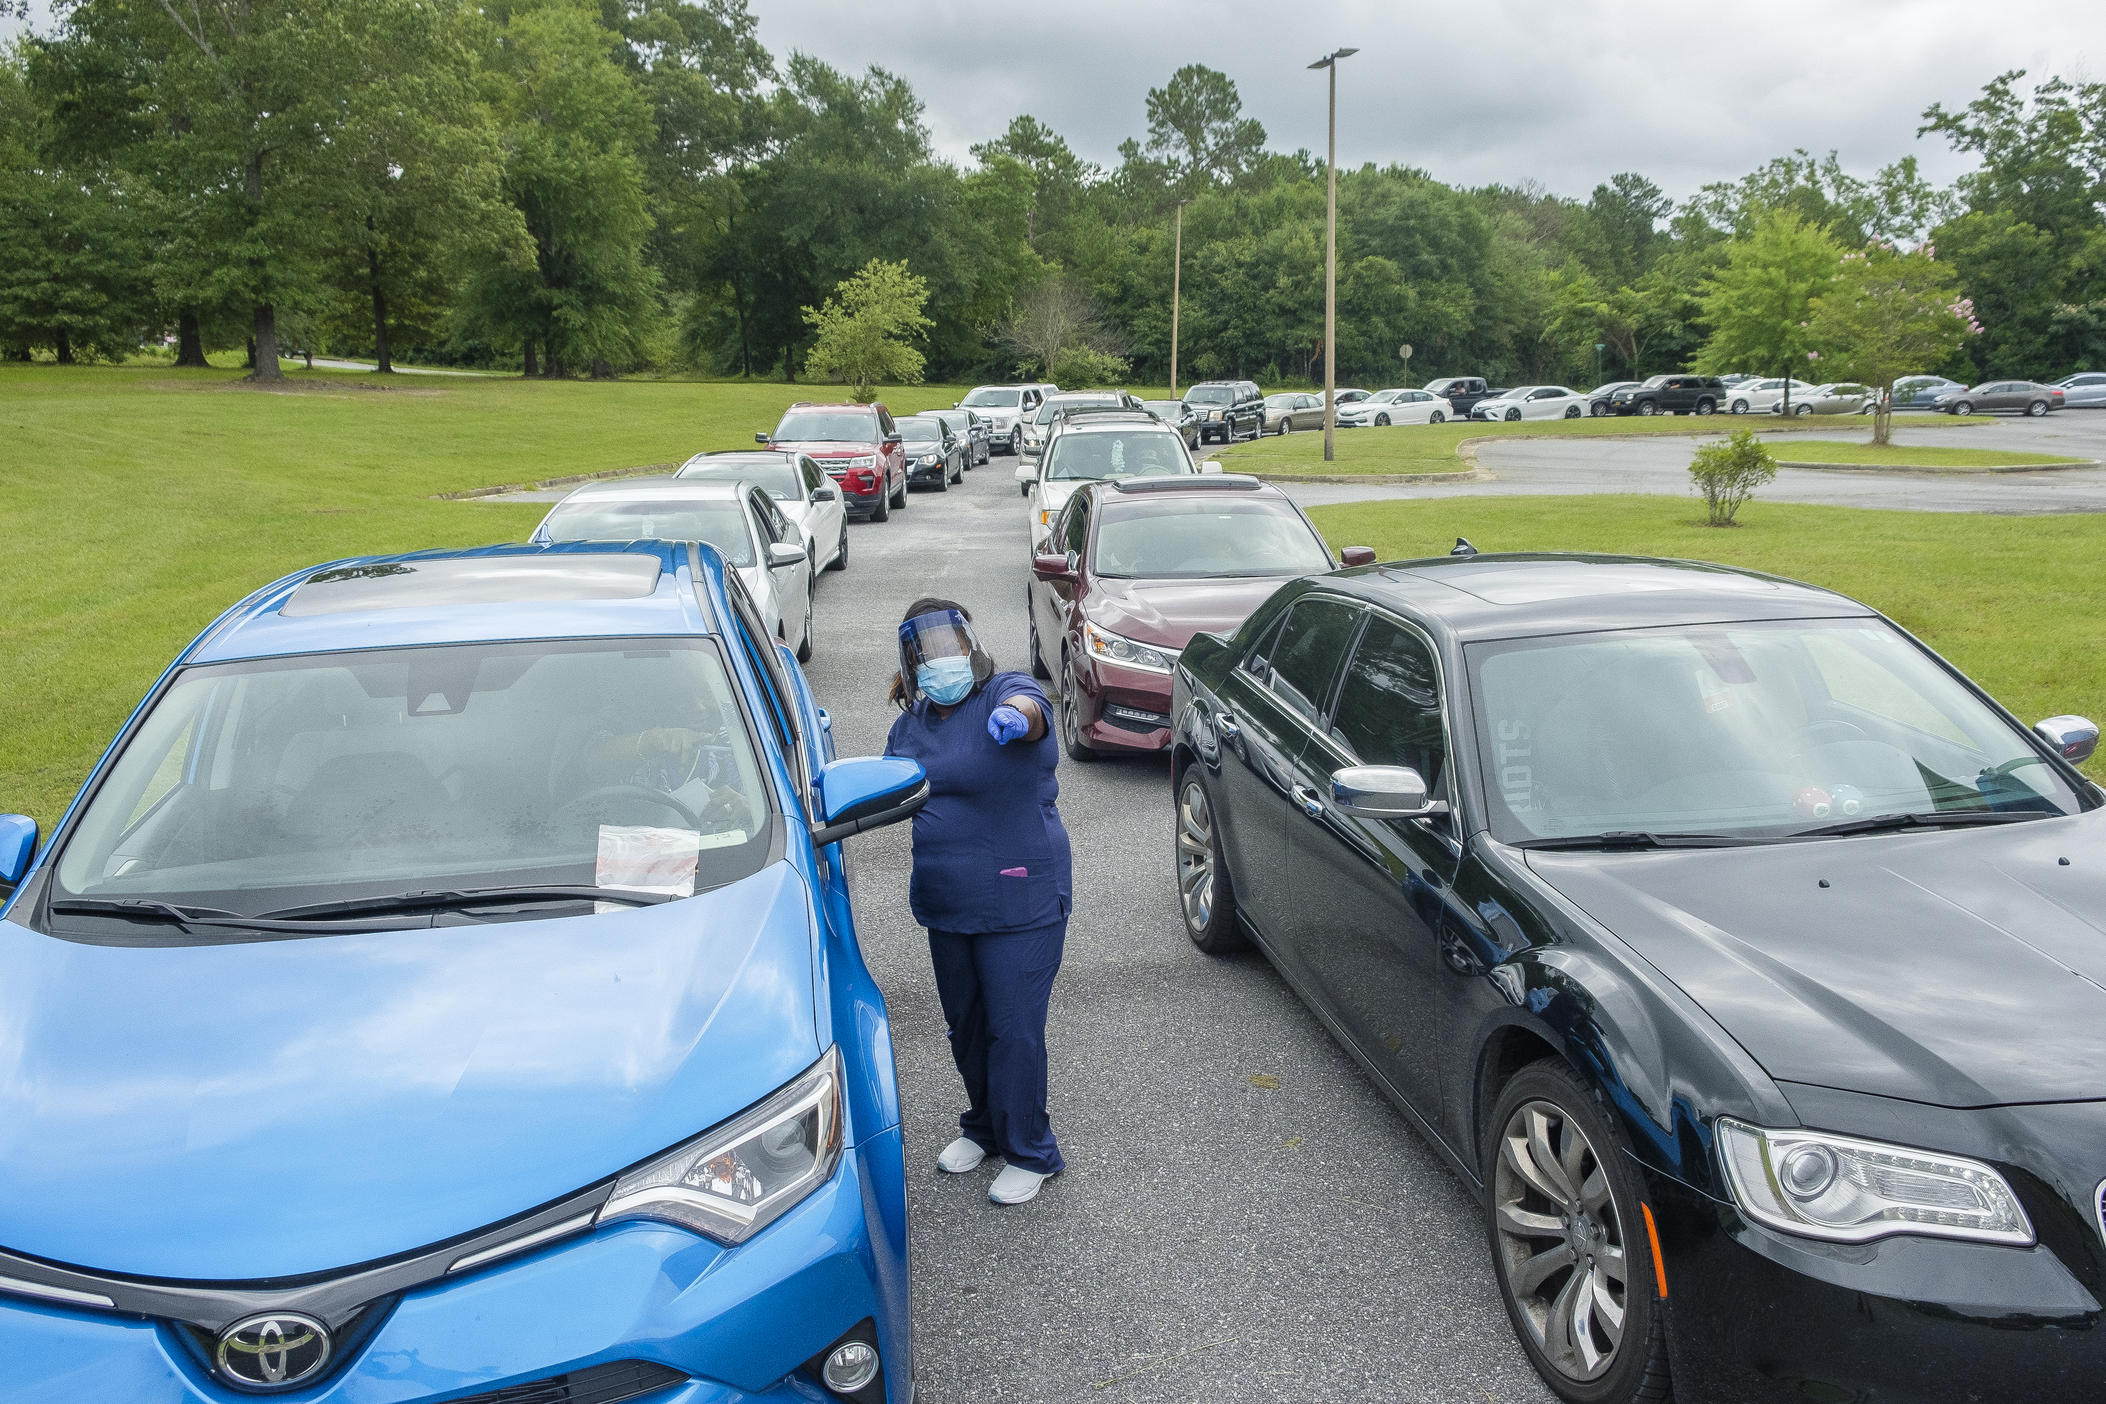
(1177, 270)
(1330, 61)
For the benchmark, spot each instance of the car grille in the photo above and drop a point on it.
(596, 1384)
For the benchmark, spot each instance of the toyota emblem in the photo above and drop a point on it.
(276, 1350)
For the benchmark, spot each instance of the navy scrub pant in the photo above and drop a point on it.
(994, 989)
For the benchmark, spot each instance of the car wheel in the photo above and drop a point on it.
(1706, 406)
(1648, 408)
(1435, 418)
(1016, 443)
(1737, 407)
(1569, 1241)
(943, 478)
(1038, 657)
(2036, 409)
(1202, 878)
(1513, 416)
(804, 640)
(841, 552)
(959, 476)
(1070, 716)
(1285, 425)
(1599, 409)
(899, 499)
(1802, 410)
(1572, 412)
(883, 511)
(1964, 407)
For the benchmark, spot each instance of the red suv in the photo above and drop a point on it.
(859, 447)
(1136, 567)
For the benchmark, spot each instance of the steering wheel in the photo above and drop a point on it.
(635, 792)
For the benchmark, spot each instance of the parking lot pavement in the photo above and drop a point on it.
(1521, 467)
(1243, 1217)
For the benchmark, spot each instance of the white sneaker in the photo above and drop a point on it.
(1015, 1185)
(960, 1156)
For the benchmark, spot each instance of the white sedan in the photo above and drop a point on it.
(1533, 402)
(1763, 396)
(800, 488)
(1386, 407)
(763, 547)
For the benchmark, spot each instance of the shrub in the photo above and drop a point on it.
(1728, 472)
(1077, 366)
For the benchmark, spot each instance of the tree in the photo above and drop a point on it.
(1053, 318)
(1197, 133)
(1728, 471)
(1886, 315)
(1758, 305)
(863, 329)
(1626, 213)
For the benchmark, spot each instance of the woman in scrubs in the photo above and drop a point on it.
(990, 883)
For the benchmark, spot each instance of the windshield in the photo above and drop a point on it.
(1612, 386)
(1210, 395)
(260, 786)
(1383, 397)
(920, 431)
(777, 477)
(1144, 453)
(828, 424)
(1748, 729)
(721, 524)
(1053, 409)
(1655, 382)
(1183, 540)
(990, 397)
(1160, 408)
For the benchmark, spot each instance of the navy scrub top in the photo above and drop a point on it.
(990, 852)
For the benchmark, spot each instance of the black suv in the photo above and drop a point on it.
(1461, 391)
(1671, 394)
(1227, 409)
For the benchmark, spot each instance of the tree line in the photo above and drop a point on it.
(572, 187)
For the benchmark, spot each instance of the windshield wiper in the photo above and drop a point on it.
(1635, 838)
(467, 897)
(167, 913)
(1938, 819)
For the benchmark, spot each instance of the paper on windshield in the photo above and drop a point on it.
(641, 858)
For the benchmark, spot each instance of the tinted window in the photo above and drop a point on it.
(1210, 395)
(1306, 658)
(721, 524)
(1214, 537)
(1389, 706)
(856, 425)
(1075, 530)
(921, 431)
(779, 476)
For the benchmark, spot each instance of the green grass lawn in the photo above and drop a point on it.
(141, 501)
(1901, 455)
(2013, 601)
(1431, 448)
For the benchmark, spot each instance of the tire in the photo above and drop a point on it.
(883, 511)
(1281, 432)
(1437, 418)
(1016, 442)
(1513, 416)
(1802, 410)
(2036, 408)
(1038, 661)
(804, 640)
(1203, 890)
(1382, 421)
(1527, 1208)
(1737, 407)
(1706, 406)
(960, 476)
(1572, 411)
(840, 561)
(899, 499)
(1648, 408)
(1071, 740)
(1599, 409)
(1964, 407)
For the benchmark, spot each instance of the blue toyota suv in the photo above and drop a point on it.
(445, 988)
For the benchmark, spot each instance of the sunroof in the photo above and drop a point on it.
(474, 580)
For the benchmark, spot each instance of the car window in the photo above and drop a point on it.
(779, 526)
(759, 645)
(814, 476)
(1389, 706)
(1140, 453)
(1312, 641)
(1075, 525)
(721, 524)
(851, 425)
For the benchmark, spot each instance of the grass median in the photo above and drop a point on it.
(141, 501)
(2013, 601)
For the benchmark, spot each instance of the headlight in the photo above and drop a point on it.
(1111, 648)
(1833, 1187)
(928, 460)
(866, 461)
(1213, 414)
(733, 1182)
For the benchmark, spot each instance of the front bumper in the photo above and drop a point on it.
(737, 1322)
(1124, 709)
(1757, 1317)
(918, 474)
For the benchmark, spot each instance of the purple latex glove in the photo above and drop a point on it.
(1006, 724)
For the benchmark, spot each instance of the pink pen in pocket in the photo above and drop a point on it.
(1016, 872)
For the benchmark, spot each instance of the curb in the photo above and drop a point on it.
(1945, 469)
(1467, 475)
(565, 481)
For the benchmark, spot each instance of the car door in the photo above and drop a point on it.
(825, 511)
(1368, 930)
(1053, 601)
(2086, 390)
(791, 584)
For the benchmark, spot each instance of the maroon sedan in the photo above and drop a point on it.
(1143, 565)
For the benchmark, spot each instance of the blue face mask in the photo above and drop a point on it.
(945, 681)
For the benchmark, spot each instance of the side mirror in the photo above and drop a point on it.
(825, 494)
(894, 440)
(1357, 556)
(782, 554)
(1026, 473)
(1053, 567)
(867, 792)
(1384, 792)
(759, 438)
(18, 844)
(2074, 738)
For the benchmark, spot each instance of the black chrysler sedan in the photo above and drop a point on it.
(1746, 958)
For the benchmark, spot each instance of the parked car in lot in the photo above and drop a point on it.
(1342, 398)
(1598, 399)
(1387, 407)
(1291, 410)
(1179, 416)
(2001, 397)
(1740, 954)
(1228, 410)
(974, 428)
(1532, 402)
(800, 489)
(1833, 398)
(1920, 392)
(1671, 394)
(1006, 408)
(1764, 396)
(857, 445)
(2084, 390)
(1100, 446)
(1133, 568)
(1462, 392)
(452, 974)
(935, 456)
(738, 518)
(1040, 424)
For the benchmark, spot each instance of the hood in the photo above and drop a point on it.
(266, 1109)
(1964, 969)
(1167, 613)
(826, 448)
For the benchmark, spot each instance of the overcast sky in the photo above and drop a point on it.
(1491, 90)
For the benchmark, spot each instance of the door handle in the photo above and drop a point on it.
(1226, 726)
(1312, 803)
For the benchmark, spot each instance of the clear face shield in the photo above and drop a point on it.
(939, 656)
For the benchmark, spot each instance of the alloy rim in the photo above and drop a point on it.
(1195, 855)
(1561, 1242)
(1070, 727)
